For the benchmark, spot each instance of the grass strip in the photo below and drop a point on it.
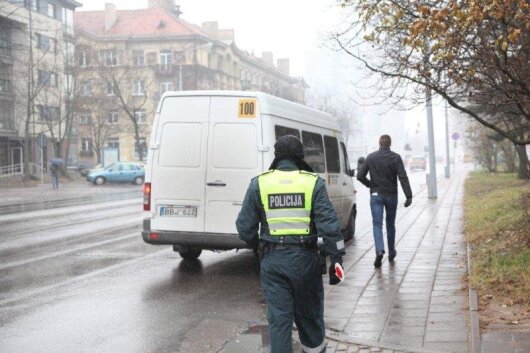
(497, 225)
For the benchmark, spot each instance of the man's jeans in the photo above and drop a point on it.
(389, 203)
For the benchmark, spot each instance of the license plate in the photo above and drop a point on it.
(178, 211)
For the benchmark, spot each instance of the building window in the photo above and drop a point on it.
(5, 85)
(84, 59)
(138, 57)
(112, 118)
(84, 119)
(86, 89)
(110, 89)
(139, 88)
(6, 116)
(48, 113)
(110, 57)
(69, 54)
(68, 21)
(165, 60)
(166, 86)
(139, 115)
(47, 78)
(5, 79)
(52, 10)
(113, 142)
(5, 39)
(46, 43)
(86, 145)
(143, 144)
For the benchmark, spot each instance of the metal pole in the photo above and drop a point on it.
(447, 157)
(180, 74)
(431, 177)
(42, 165)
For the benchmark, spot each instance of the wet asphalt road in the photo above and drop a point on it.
(81, 279)
(77, 277)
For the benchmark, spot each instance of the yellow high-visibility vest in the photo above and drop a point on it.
(286, 197)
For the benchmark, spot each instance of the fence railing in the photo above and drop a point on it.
(10, 170)
(18, 169)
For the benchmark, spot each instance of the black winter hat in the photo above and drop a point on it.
(290, 147)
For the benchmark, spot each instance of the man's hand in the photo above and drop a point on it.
(336, 273)
(408, 202)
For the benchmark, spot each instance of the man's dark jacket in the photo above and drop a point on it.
(385, 167)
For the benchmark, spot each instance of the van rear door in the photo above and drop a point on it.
(233, 159)
(178, 181)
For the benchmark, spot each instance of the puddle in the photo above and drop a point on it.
(254, 340)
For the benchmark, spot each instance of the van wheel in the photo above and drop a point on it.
(350, 230)
(190, 253)
(138, 180)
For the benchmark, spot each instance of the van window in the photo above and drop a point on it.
(235, 146)
(345, 159)
(180, 145)
(314, 151)
(332, 154)
(282, 131)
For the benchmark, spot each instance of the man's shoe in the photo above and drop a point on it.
(378, 259)
(392, 256)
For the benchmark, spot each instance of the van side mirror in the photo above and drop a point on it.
(351, 173)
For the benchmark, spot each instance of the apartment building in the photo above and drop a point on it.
(128, 58)
(36, 63)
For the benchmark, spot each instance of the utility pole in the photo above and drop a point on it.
(431, 177)
(447, 157)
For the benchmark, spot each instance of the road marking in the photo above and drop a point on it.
(69, 210)
(79, 278)
(64, 252)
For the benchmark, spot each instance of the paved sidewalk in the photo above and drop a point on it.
(417, 304)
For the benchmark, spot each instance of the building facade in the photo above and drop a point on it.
(127, 59)
(36, 64)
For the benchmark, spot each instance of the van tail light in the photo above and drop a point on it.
(147, 197)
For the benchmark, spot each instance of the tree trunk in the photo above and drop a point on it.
(523, 171)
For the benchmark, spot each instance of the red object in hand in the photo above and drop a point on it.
(339, 272)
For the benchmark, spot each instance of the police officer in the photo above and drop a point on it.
(292, 206)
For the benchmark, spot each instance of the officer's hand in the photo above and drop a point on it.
(336, 273)
(408, 202)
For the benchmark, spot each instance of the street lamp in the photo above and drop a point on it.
(207, 45)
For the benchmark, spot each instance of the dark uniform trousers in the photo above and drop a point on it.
(292, 283)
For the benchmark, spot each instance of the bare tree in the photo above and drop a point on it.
(468, 52)
(133, 88)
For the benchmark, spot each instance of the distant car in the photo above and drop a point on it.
(84, 171)
(119, 172)
(418, 162)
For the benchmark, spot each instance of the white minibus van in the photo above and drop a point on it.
(206, 146)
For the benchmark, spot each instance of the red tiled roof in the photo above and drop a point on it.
(145, 22)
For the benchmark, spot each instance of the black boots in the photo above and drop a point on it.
(378, 259)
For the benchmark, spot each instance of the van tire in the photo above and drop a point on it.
(350, 229)
(190, 253)
(99, 180)
(138, 181)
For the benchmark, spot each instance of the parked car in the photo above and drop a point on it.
(418, 162)
(119, 172)
(84, 171)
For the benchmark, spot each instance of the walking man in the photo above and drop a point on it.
(385, 167)
(54, 171)
(292, 206)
